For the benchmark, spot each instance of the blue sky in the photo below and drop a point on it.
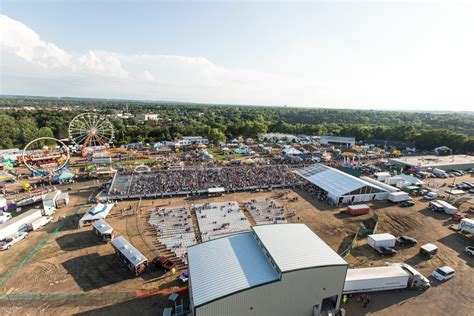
(370, 55)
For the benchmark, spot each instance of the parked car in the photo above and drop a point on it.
(7, 243)
(386, 251)
(430, 196)
(407, 203)
(162, 262)
(470, 250)
(458, 171)
(406, 241)
(443, 274)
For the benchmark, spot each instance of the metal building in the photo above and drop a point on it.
(341, 187)
(337, 141)
(278, 269)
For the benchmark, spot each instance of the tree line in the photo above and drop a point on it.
(51, 116)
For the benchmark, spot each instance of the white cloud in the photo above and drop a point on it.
(418, 74)
(33, 66)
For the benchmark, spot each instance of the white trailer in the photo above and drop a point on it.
(439, 173)
(375, 279)
(448, 208)
(40, 222)
(381, 240)
(467, 225)
(399, 196)
(49, 200)
(62, 200)
(18, 223)
(391, 277)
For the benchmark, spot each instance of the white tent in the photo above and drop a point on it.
(340, 186)
(98, 211)
(291, 151)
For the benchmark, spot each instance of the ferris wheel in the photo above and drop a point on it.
(91, 130)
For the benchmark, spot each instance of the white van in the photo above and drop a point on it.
(443, 274)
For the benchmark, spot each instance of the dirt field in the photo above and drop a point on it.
(62, 270)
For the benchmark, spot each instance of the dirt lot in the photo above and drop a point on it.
(65, 270)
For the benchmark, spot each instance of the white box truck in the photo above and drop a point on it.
(381, 240)
(399, 196)
(390, 277)
(40, 222)
(439, 173)
(467, 225)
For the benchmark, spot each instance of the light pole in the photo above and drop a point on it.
(454, 180)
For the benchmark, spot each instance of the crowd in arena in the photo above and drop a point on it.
(231, 178)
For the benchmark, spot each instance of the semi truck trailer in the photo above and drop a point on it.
(393, 276)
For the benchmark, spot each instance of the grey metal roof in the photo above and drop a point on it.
(227, 265)
(295, 247)
(102, 226)
(130, 252)
(332, 180)
(338, 139)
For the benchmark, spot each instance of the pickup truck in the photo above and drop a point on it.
(164, 263)
(7, 243)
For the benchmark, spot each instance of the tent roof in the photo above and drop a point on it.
(332, 180)
(98, 211)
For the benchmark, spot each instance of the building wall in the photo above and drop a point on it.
(366, 197)
(295, 294)
(336, 141)
(361, 197)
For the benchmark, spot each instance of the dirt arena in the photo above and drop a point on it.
(62, 270)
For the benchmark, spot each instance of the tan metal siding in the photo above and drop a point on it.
(295, 294)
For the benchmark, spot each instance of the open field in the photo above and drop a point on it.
(61, 269)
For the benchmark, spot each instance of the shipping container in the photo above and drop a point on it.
(358, 209)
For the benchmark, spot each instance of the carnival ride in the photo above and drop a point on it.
(92, 131)
(45, 156)
(95, 133)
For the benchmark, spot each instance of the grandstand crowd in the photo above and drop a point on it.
(230, 178)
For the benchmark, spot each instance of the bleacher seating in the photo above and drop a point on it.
(217, 219)
(266, 211)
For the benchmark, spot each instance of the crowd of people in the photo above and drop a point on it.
(194, 180)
